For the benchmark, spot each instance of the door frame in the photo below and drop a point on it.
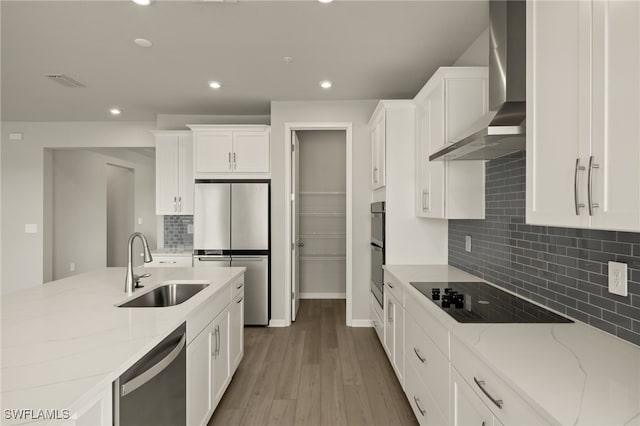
(347, 127)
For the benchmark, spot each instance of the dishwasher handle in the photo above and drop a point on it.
(152, 372)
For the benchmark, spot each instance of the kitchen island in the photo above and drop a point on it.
(65, 342)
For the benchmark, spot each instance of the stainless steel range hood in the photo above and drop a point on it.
(501, 131)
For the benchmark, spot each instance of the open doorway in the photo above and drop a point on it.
(319, 217)
(120, 213)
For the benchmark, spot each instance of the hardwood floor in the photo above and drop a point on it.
(317, 372)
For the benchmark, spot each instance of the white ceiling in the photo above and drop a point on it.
(369, 49)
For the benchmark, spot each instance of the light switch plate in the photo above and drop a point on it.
(30, 228)
(618, 278)
(467, 243)
(140, 221)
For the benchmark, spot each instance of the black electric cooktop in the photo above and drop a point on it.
(479, 302)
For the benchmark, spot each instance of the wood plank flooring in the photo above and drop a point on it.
(317, 372)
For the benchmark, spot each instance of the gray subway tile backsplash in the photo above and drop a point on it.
(563, 268)
(176, 232)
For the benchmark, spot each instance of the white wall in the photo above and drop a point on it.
(358, 113)
(477, 54)
(120, 212)
(23, 185)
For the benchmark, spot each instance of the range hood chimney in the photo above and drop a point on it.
(501, 131)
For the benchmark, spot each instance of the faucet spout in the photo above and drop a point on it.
(131, 278)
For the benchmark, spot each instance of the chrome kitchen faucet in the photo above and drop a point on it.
(132, 280)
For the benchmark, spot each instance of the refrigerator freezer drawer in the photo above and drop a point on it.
(211, 261)
(249, 216)
(256, 288)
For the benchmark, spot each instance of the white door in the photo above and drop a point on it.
(251, 152)
(220, 355)
(558, 112)
(295, 226)
(434, 130)
(166, 174)
(213, 152)
(616, 116)
(185, 155)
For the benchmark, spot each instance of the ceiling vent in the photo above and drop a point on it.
(65, 80)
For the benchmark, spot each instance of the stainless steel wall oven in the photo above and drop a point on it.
(377, 250)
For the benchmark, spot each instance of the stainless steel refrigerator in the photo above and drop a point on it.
(231, 228)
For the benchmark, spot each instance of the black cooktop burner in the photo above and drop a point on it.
(483, 303)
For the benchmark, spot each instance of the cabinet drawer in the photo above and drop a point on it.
(428, 361)
(394, 286)
(160, 261)
(423, 405)
(199, 319)
(429, 324)
(514, 410)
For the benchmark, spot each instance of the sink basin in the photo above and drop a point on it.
(165, 295)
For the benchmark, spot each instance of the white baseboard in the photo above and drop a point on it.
(323, 295)
(277, 323)
(361, 323)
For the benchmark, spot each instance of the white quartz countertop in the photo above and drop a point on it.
(66, 339)
(575, 373)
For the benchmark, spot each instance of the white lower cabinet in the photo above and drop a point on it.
(214, 354)
(466, 407)
(199, 400)
(98, 411)
(220, 372)
(236, 328)
(376, 318)
(394, 332)
(421, 401)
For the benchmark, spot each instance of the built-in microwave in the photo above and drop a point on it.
(377, 250)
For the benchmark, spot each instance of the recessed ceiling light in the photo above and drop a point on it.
(143, 2)
(143, 42)
(321, 1)
(326, 84)
(115, 111)
(215, 84)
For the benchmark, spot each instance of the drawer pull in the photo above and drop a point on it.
(240, 300)
(420, 357)
(497, 402)
(389, 285)
(239, 286)
(417, 401)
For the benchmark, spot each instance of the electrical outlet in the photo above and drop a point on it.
(72, 267)
(618, 278)
(467, 243)
(189, 229)
(30, 228)
(140, 221)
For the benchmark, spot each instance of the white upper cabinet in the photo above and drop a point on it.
(174, 173)
(377, 125)
(231, 151)
(452, 100)
(583, 110)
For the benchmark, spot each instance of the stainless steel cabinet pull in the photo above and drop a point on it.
(480, 384)
(238, 287)
(422, 411)
(576, 184)
(143, 378)
(425, 194)
(218, 340)
(167, 261)
(175, 204)
(229, 161)
(591, 204)
(240, 300)
(390, 314)
(375, 175)
(420, 357)
(179, 203)
(215, 349)
(235, 164)
(389, 285)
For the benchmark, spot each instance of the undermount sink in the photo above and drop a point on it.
(165, 295)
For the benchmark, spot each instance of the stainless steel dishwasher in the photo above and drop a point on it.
(153, 391)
